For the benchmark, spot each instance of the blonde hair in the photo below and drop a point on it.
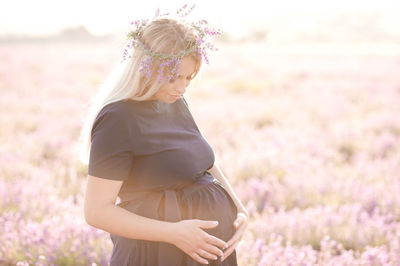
(162, 35)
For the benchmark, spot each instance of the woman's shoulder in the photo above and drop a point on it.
(114, 114)
(120, 109)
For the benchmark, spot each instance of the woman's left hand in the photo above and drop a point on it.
(240, 224)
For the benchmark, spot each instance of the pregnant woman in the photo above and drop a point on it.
(143, 146)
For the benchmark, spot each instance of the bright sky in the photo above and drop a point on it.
(100, 17)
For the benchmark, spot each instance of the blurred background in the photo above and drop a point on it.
(301, 105)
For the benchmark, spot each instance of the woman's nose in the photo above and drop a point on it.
(182, 85)
(181, 89)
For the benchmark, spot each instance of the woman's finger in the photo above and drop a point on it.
(237, 221)
(199, 259)
(212, 251)
(206, 254)
(230, 250)
(237, 234)
(241, 217)
(217, 242)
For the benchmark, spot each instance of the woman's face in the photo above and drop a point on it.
(171, 91)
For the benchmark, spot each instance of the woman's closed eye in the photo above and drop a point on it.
(173, 80)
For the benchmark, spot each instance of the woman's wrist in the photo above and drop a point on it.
(168, 232)
(242, 209)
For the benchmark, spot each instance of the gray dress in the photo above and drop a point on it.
(158, 151)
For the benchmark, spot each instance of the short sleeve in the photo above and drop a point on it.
(111, 152)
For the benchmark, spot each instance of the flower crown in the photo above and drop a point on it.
(172, 61)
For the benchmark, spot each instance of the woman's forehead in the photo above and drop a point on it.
(187, 66)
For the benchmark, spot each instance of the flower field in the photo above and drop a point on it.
(308, 135)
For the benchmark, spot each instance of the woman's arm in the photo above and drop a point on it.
(218, 174)
(241, 221)
(101, 212)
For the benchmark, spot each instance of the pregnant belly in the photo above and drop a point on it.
(212, 202)
(209, 202)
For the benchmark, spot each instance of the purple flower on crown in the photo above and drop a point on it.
(170, 62)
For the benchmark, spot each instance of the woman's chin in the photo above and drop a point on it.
(170, 99)
(175, 98)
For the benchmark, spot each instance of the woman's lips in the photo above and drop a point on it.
(176, 96)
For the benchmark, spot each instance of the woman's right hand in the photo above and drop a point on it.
(188, 236)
